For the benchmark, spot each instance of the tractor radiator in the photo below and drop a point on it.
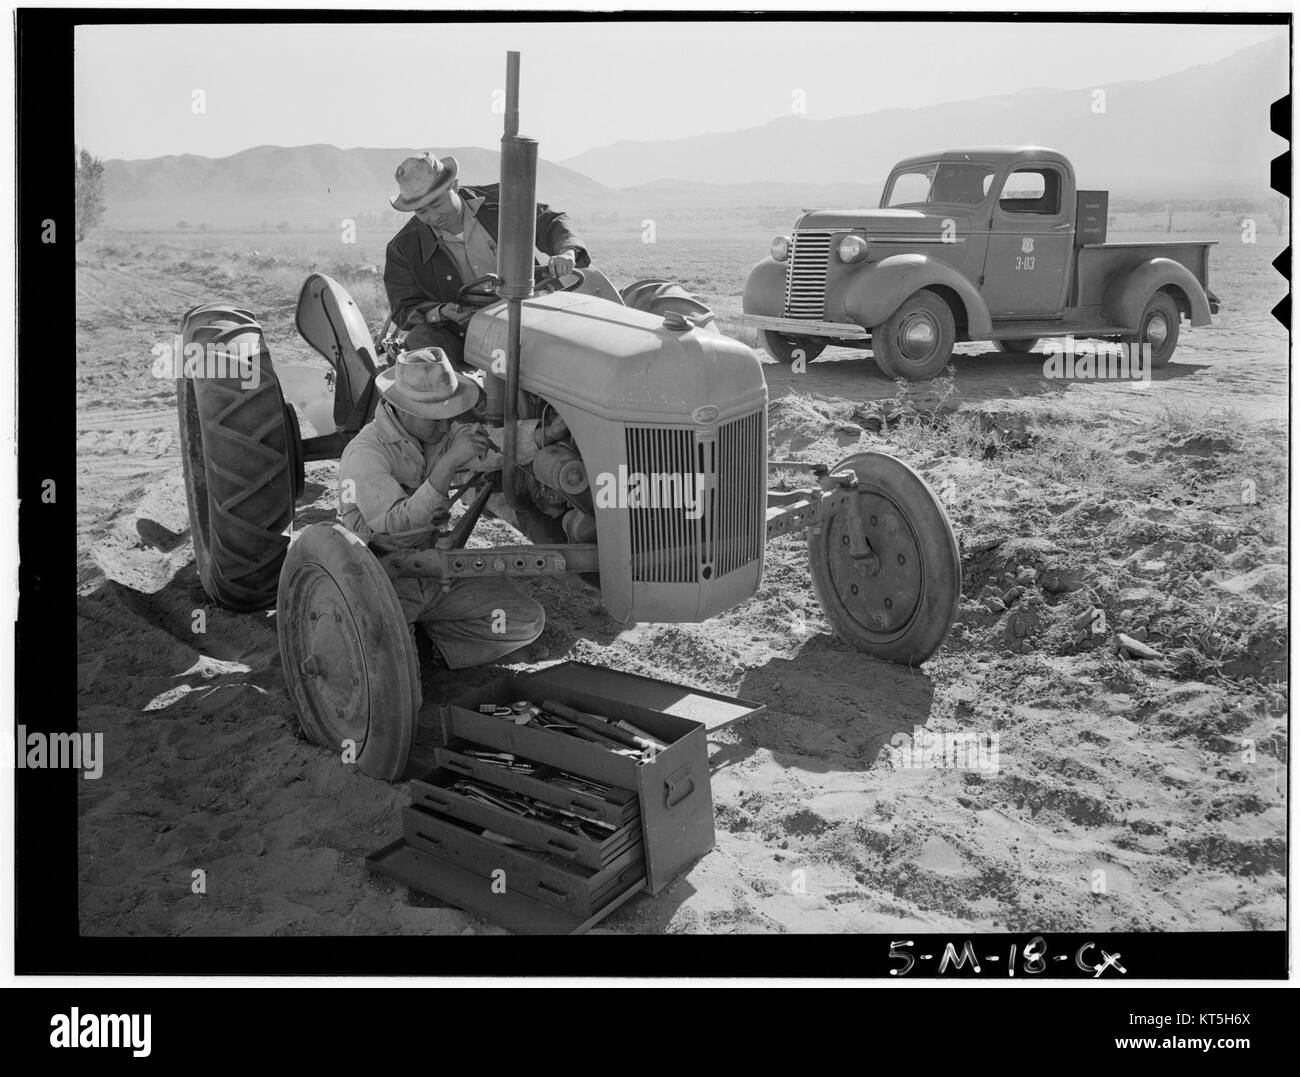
(696, 499)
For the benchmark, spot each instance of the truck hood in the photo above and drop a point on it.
(876, 221)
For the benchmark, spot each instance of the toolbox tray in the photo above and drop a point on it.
(617, 807)
(545, 877)
(513, 910)
(433, 792)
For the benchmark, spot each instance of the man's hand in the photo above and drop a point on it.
(468, 443)
(449, 312)
(563, 264)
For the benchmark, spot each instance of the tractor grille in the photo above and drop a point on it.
(805, 280)
(723, 473)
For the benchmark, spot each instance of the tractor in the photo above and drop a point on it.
(646, 386)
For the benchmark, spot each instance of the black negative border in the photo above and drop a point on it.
(46, 877)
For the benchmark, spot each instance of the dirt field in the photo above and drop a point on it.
(1143, 795)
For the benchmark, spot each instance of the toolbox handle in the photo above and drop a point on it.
(458, 766)
(541, 885)
(562, 848)
(678, 786)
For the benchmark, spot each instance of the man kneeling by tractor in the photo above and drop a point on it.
(635, 388)
(395, 479)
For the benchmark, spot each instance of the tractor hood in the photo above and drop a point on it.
(623, 364)
(879, 221)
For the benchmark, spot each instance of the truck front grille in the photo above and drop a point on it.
(805, 281)
(723, 472)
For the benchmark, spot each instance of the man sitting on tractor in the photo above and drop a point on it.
(451, 241)
(395, 478)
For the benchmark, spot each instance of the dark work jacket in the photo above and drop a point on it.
(418, 272)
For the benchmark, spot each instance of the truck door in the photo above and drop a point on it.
(1031, 237)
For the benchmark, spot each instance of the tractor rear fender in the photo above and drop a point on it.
(1128, 294)
(765, 289)
(878, 289)
(330, 321)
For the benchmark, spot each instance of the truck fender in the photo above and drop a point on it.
(1128, 294)
(876, 291)
(765, 289)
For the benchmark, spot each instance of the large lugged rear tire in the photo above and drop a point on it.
(655, 295)
(242, 467)
(899, 602)
(348, 657)
(916, 341)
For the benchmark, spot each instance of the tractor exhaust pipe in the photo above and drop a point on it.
(517, 236)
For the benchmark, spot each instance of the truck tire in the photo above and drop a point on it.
(1022, 346)
(899, 603)
(240, 465)
(916, 341)
(782, 348)
(347, 655)
(1158, 327)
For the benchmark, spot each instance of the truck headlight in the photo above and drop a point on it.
(852, 249)
(781, 248)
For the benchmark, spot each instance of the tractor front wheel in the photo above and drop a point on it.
(884, 561)
(348, 657)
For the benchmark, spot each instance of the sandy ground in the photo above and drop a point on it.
(1128, 795)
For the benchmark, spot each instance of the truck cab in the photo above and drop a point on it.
(992, 243)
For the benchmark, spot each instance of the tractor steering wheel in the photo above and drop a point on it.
(550, 283)
(480, 292)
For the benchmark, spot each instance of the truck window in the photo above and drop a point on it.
(1032, 190)
(953, 183)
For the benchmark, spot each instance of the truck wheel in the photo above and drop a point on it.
(899, 601)
(783, 348)
(1016, 347)
(348, 657)
(916, 341)
(1158, 327)
(241, 464)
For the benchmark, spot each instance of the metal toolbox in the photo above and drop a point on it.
(659, 804)
(543, 876)
(434, 793)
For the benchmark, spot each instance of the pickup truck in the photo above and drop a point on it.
(992, 244)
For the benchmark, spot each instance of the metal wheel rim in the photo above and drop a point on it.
(1157, 331)
(328, 661)
(890, 586)
(917, 336)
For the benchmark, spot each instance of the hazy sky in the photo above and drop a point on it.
(583, 84)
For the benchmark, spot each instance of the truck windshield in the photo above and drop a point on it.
(959, 183)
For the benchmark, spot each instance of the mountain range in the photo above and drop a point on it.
(1203, 133)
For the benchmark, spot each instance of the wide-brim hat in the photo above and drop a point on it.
(424, 383)
(421, 179)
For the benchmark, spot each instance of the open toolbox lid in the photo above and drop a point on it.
(711, 709)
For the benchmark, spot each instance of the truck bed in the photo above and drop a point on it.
(1099, 262)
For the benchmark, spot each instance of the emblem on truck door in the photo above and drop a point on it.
(1027, 245)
